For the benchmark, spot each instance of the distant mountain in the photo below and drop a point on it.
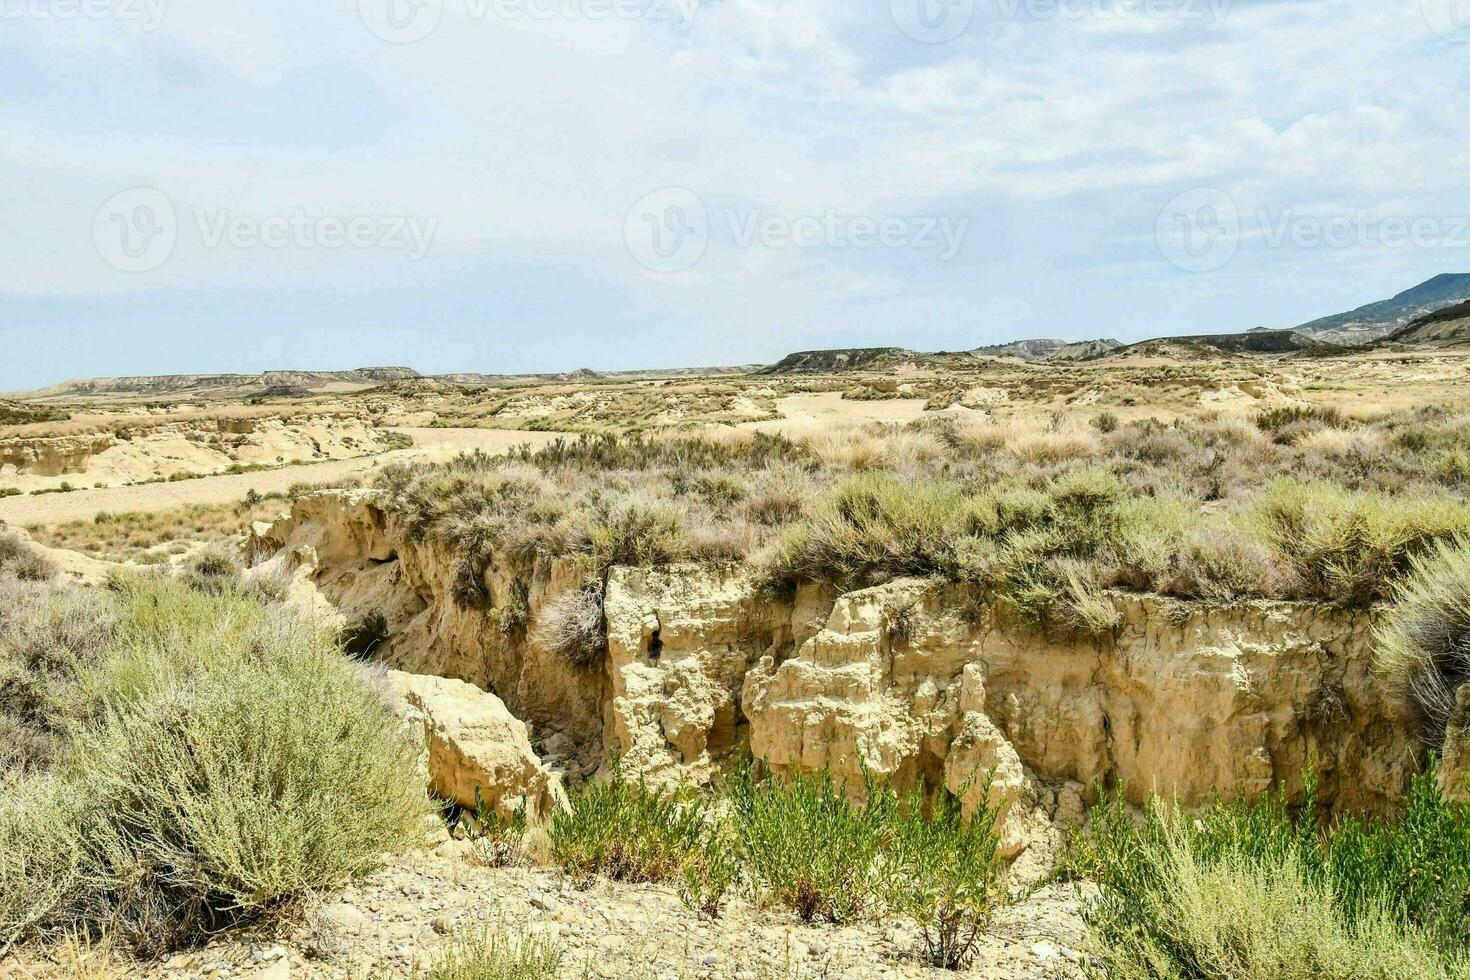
(1377, 320)
(1450, 325)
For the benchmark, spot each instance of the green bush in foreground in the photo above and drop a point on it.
(494, 954)
(231, 761)
(629, 832)
(945, 875)
(1247, 890)
(810, 847)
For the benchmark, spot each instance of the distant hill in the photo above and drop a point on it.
(1214, 345)
(1377, 320)
(837, 359)
(1049, 350)
(214, 386)
(1450, 325)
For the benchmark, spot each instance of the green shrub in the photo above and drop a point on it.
(943, 872)
(1423, 644)
(235, 760)
(628, 832)
(497, 954)
(1351, 547)
(1249, 889)
(212, 569)
(811, 848)
(497, 841)
(1276, 419)
(871, 527)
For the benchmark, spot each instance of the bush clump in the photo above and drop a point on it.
(1423, 645)
(573, 628)
(810, 847)
(24, 560)
(1256, 890)
(629, 831)
(228, 761)
(497, 954)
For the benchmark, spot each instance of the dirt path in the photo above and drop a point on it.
(433, 445)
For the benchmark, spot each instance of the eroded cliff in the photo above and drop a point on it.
(911, 680)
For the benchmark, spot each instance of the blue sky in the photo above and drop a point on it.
(535, 145)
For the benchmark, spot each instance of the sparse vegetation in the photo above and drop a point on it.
(150, 538)
(1251, 889)
(489, 953)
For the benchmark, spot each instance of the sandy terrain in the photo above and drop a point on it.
(429, 444)
(809, 412)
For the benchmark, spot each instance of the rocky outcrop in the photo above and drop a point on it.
(474, 750)
(913, 681)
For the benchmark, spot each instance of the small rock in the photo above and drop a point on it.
(711, 959)
(1045, 952)
(267, 954)
(348, 918)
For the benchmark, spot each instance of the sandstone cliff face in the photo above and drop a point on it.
(911, 680)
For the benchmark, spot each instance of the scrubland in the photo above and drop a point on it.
(182, 755)
(1295, 504)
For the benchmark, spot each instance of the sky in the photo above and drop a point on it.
(510, 186)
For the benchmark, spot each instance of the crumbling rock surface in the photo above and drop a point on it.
(474, 750)
(910, 681)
